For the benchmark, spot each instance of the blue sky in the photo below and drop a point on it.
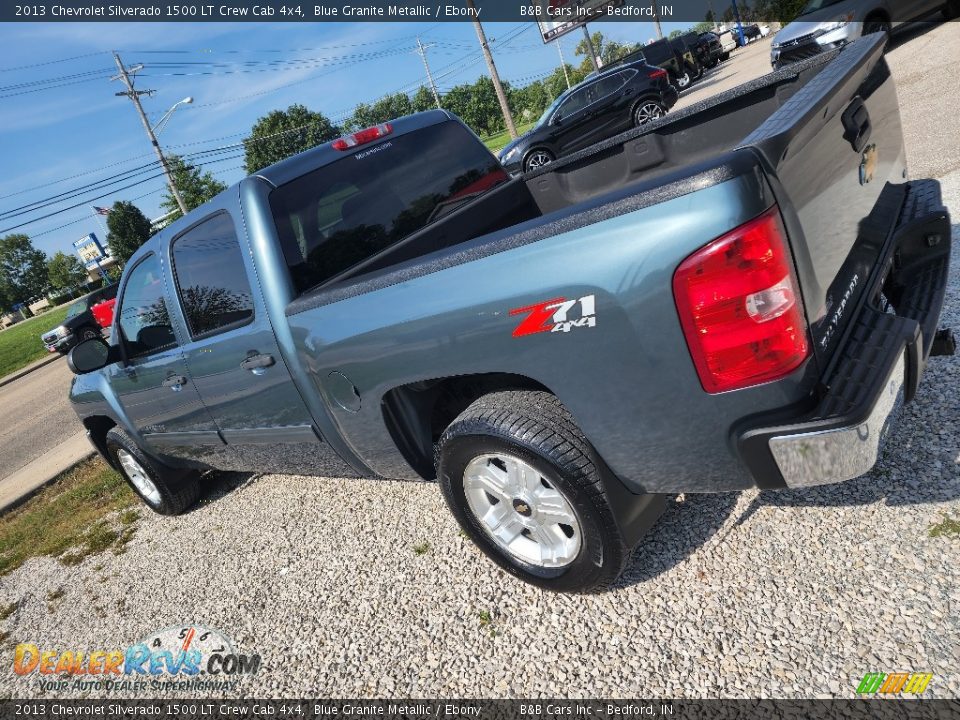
(68, 131)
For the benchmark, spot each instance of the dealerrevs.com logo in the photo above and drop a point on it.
(188, 657)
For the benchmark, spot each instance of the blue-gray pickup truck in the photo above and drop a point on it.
(740, 295)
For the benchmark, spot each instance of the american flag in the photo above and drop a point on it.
(100, 210)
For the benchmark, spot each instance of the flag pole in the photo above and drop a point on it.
(96, 216)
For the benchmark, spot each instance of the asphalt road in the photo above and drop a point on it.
(35, 416)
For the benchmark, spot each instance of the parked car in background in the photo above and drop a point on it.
(828, 24)
(710, 49)
(619, 98)
(684, 308)
(751, 32)
(103, 313)
(80, 323)
(675, 59)
(727, 41)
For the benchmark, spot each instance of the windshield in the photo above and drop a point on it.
(76, 309)
(553, 106)
(815, 5)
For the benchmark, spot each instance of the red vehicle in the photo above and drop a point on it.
(103, 313)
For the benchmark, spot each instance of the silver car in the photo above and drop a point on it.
(827, 24)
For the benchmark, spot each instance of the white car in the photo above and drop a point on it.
(827, 24)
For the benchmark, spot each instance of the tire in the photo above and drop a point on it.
(877, 25)
(647, 111)
(165, 490)
(713, 63)
(88, 333)
(951, 10)
(525, 446)
(537, 158)
(683, 80)
(696, 74)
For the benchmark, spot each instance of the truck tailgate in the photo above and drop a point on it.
(832, 149)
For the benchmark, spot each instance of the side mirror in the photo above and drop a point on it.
(88, 356)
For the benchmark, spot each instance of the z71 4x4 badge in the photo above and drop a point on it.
(557, 315)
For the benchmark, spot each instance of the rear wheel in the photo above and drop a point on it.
(877, 25)
(526, 486)
(537, 158)
(165, 490)
(88, 333)
(682, 81)
(648, 111)
(951, 10)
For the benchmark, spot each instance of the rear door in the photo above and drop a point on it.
(154, 387)
(233, 357)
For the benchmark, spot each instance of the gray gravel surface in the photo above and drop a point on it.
(790, 594)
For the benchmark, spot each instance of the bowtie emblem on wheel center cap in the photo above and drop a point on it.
(521, 507)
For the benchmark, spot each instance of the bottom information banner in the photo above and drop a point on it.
(481, 709)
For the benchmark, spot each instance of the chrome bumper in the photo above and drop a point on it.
(830, 456)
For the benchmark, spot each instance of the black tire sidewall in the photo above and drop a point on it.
(586, 571)
(161, 475)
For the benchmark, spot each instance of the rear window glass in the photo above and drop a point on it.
(343, 213)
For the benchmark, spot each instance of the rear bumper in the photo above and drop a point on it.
(878, 368)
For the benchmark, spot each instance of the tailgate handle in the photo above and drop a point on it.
(856, 124)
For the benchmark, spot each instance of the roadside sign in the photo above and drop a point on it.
(558, 17)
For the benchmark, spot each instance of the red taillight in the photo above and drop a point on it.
(660, 73)
(362, 137)
(740, 308)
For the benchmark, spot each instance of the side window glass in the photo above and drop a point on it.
(144, 320)
(572, 104)
(211, 279)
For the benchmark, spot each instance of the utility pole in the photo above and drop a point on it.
(563, 64)
(423, 56)
(656, 21)
(134, 95)
(590, 50)
(501, 95)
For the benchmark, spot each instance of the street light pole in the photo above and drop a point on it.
(134, 95)
(501, 95)
(563, 64)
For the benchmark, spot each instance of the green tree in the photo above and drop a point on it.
(128, 230)
(384, 109)
(423, 100)
(283, 133)
(65, 271)
(23, 270)
(196, 187)
(674, 34)
(609, 51)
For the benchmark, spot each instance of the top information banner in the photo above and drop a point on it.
(555, 13)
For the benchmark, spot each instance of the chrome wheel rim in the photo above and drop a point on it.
(647, 112)
(522, 510)
(139, 477)
(538, 159)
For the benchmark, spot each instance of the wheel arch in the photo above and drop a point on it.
(417, 414)
(97, 427)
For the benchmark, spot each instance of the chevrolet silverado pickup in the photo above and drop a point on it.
(741, 294)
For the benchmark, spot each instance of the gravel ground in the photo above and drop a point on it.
(790, 594)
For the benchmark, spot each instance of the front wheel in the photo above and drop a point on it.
(526, 487)
(877, 26)
(682, 81)
(89, 334)
(537, 159)
(648, 111)
(165, 490)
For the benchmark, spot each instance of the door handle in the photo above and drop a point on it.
(175, 382)
(257, 363)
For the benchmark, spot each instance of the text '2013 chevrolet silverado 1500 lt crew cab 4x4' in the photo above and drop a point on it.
(740, 295)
